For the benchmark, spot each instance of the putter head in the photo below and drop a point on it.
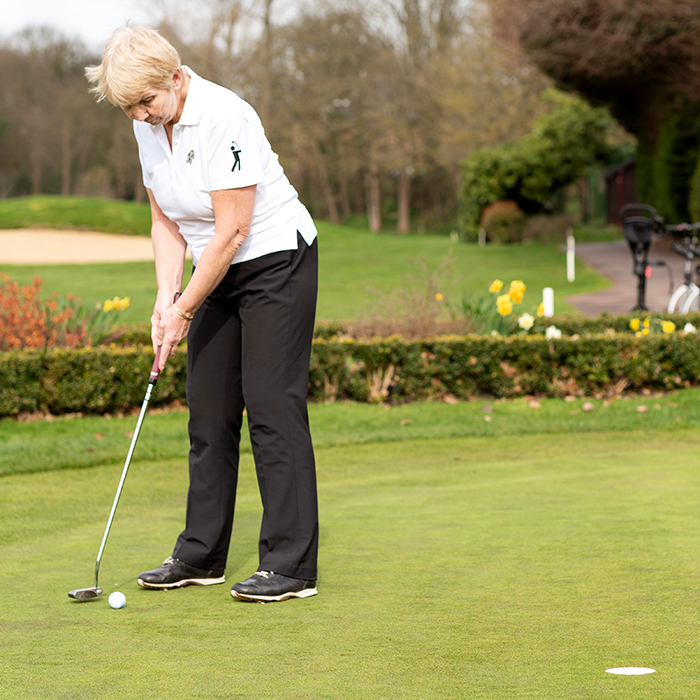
(85, 593)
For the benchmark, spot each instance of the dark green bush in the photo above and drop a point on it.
(694, 198)
(605, 363)
(561, 147)
(665, 168)
(91, 380)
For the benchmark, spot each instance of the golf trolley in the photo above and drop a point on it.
(639, 223)
(686, 297)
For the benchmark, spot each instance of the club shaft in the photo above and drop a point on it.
(137, 430)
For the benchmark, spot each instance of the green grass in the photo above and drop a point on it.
(64, 212)
(476, 567)
(68, 442)
(357, 268)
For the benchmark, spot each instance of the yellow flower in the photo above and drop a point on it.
(125, 303)
(496, 286)
(108, 305)
(646, 323)
(644, 331)
(634, 324)
(540, 310)
(438, 297)
(668, 326)
(504, 305)
(517, 291)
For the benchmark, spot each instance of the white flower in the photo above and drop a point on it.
(526, 321)
(689, 328)
(552, 332)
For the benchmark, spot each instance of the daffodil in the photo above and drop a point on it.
(504, 305)
(526, 321)
(668, 326)
(125, 303)
(540, 310)
(646, 323)
(517, 291)
(552, 332)
(634, 324)
(108, 305)
(496, 286)
(689, 328)
(439, 297)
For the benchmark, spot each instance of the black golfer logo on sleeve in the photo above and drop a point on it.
(236, 156)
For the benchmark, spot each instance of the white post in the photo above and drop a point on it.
(570, 255)
(548, 302)
(482, 237)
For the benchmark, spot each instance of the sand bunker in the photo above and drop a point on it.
(49, 247)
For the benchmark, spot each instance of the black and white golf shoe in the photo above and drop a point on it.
(267, 587)
(176, 574)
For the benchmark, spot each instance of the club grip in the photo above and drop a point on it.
(155, 370)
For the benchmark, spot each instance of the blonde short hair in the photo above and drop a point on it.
(135, 59)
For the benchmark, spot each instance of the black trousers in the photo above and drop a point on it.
(249, 346)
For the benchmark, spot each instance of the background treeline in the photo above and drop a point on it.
(639, 58)
(372, 106)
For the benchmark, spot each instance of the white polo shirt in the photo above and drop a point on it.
(219, 144)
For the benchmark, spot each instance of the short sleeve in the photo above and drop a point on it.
(235, 154)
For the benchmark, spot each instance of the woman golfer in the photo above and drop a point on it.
(216, 187)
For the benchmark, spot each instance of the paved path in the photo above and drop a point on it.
(614, 261)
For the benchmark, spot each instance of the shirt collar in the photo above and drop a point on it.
(192, 110)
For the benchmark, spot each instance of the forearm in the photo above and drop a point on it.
(233, 214)
(211, 269)
(169, 248)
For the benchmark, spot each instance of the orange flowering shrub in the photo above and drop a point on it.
(29, 321)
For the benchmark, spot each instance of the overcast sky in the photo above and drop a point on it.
(93, 21)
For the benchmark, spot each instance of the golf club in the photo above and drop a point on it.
(95, 591)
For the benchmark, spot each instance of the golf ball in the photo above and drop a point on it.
(117, 600)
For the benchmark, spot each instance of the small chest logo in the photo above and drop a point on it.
(190, 157)
(236, 156)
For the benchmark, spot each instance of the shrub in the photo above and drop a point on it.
(415, 311)
(694, 198)
(529, 171)
(665, 168)
(548, 228)
(86, 380)
(503, 222)
(113, 379)
(28, 321)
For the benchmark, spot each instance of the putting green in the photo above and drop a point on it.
(513, 567)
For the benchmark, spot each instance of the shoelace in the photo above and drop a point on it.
(169, 560)
(264, 574)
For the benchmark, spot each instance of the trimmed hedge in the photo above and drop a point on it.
(88, 380)
(599, 365)
(102, 380)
